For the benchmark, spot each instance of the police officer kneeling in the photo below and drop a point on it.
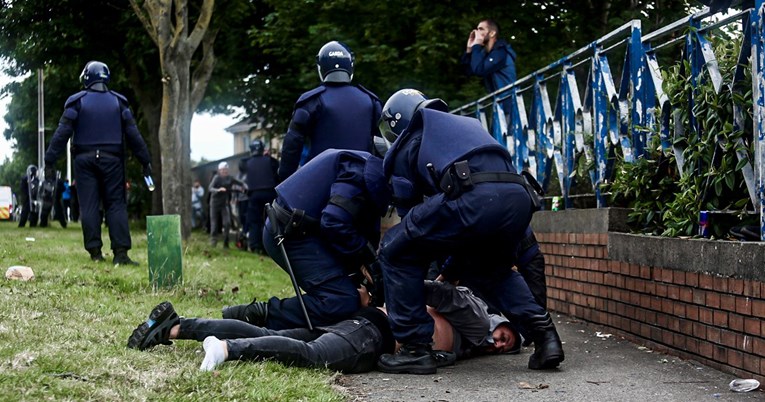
(329, 212)
(100, 123)
(458, 195)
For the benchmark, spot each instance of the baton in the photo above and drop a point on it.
(279, 237)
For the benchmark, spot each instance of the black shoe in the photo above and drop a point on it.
(255, 313)
(156, 330)
(444, 358)
(121, 258)
(411, 358)
(548, 349)
(96, 255)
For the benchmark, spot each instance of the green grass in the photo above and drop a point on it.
(63, 335)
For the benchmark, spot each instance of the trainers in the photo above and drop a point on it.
(156, 330)
(411, 358)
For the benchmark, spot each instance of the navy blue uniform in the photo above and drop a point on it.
(342, 195)
(261, 180)
(28, 201)
(333, 115)
(100, 124)
(481, 225)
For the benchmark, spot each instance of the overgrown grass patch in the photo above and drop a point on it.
(63, 335)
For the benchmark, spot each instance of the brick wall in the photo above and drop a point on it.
(716, 320)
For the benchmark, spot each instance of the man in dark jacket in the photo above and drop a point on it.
(489, 57)
(29, 186)
(262, 178)
(221, 187)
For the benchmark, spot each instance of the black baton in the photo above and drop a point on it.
(279, 237)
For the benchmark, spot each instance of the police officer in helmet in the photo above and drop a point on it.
(261, 179)
(458, 195)
(101, 125)
(337, 114)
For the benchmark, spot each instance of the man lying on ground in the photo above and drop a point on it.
(463, 328)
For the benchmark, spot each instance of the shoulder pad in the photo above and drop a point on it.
(74, 98)
(119, 96)
(368, 92)
(310, 94)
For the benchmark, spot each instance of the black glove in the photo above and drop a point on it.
(147, 170)
(376, 288)
(49, 172)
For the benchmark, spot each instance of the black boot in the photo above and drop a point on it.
(548, 349)
(96, 255)
(121, 257)
(255, 313)
(415, 358)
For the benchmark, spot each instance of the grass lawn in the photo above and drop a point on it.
(63, 335)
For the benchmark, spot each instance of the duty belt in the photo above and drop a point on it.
(458, 179)
(294, 222)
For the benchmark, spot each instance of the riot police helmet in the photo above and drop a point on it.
(31, 171)
(335, 62)
(95, 72)
(257, 147)
(400, 108)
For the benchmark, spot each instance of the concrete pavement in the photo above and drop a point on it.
(599, 366)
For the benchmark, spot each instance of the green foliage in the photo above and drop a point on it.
(63, 335)
(668, 202)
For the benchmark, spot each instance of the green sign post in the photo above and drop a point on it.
(165, 251)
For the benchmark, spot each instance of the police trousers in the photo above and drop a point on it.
(350, 346)
(482, 227)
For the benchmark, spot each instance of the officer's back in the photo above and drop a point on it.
(337, 114)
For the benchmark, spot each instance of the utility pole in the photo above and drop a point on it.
(40, 119)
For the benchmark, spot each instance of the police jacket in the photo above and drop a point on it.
(345, 192)
(97, 120)
(333, 115)
(262, 173)
(429, 148)
(497, 68)
(28, 189)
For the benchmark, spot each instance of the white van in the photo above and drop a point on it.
(6, 203)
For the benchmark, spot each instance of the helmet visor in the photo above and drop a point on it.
(386, 126)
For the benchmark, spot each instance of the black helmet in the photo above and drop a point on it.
(400, 108)
(257, 147)
(335, 62)
(94, 72)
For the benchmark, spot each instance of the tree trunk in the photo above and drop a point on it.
(167, 25)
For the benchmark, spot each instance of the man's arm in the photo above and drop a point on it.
(62, 135)
(466, 312)
(301, 126)
(132, 136)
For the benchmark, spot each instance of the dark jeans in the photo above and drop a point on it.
(351, 346)
(255, 216)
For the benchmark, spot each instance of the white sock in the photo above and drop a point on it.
(214, 353)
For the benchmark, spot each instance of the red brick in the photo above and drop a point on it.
(758, 345)
(736, 286)
(634, 270)
(700, 297)
(656, 303)
(667, 275)
(686, 294)
(713, 300)
(721, 353)
(714, 335)
(603, 238)
(752, 289)
(599, 252)
(729, 338)
(678, 341)
(751, 363)
(721, 284)
(679, 310)
(650, 287)
(736, 322)
(699, 330)
(706, 281)
(661, 320)
(743, 305)
(661, 290)
(613, 266)
(720, 318)
(758, 308)
(673, 292)
(706, 349)
(728, 302)
(735, 358)
(692, 345)
(692, 312)
(678, 277)
(706, 315)
(666, 337)
(692, 279)
(752, 326)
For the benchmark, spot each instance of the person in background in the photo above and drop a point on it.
(29, 186)
(220, 189)
(262, 178)
(66, 200)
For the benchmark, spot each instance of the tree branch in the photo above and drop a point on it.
(147, 24)
(202, 25)
(181, 22)
(202, 73)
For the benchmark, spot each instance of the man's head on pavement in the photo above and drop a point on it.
(335, 63)
(504, 337)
